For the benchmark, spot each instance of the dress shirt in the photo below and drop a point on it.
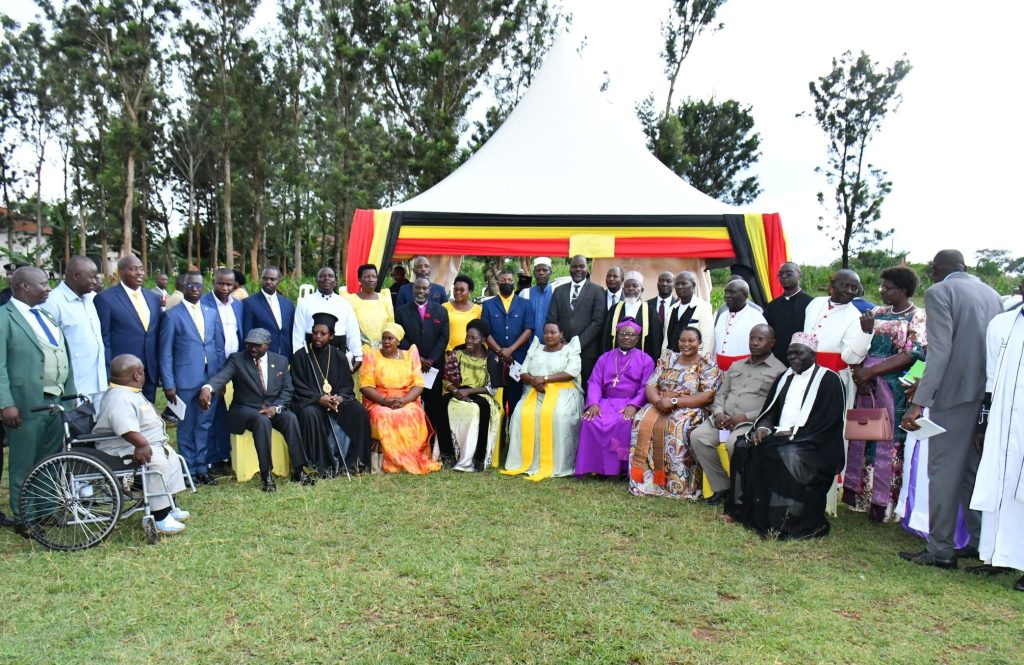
(264, 367)
(77, 318)
(611, 299)
(332, 303)
(631, 309)
(662, 307)
(230, 323)
(745, 387)
(275, 306)
(196, 312)
(139, 302)
(790, 416)
(540, 299)
(36, 324)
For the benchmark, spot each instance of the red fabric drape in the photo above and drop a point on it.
(359, 244)
(684, 248)
(482, 247)
(775, 238)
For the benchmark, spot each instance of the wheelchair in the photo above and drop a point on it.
(73, 499)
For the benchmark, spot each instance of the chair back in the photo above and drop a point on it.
(305, 290)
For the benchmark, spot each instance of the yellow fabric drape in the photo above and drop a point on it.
(759, 245)
(553, 231)
(381, 226)
(547, 431)
(496, 455)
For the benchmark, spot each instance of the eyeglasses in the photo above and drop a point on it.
(193, 287)
(628, 333)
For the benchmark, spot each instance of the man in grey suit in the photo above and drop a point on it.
(959, 308)
(579, 310)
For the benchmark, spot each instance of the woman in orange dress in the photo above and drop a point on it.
(391, 381)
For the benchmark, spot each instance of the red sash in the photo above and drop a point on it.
(725, 362)
(832, 361)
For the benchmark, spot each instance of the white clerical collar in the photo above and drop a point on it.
(798, 290)
(326, 296)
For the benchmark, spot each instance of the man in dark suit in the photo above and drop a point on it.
(426, 326)
(263, 391)
(130, 321)
(579, 310)
(421, 268)
(191, 351)
(229, 309)
(271, 311)
(959, 309)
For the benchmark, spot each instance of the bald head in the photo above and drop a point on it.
(79, 274)
(26, 275)
(945, 263)
(127, 370)
(131, 271)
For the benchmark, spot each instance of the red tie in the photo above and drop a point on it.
(661, 312)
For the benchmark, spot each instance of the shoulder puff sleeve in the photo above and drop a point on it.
(573, 363)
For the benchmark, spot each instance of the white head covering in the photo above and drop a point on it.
(542, 261)
(635, 275)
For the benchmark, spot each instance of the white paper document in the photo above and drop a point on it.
(429, 377)
(177, 407)
(929, 428)
(723, 435)
(514, 370)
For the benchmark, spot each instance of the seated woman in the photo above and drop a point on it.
(544, 427)
(391, 381)
(615, 392)
(661, 461)
(461, 310)
(334, 425)
(473, 415)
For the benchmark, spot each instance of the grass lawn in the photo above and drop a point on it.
(483, 568)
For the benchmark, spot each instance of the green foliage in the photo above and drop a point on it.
(850, 104)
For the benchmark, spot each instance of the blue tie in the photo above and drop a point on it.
(42, 324)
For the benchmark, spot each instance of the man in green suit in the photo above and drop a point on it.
(35, 369)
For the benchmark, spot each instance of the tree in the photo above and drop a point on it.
(850, 103)
(998, 262)
(687, 20)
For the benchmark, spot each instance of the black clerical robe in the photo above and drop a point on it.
(786, 316)
(781, 485)
(321, 442)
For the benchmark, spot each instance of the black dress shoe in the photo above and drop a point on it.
(985, 569)
(926, 558)
(717, 498)
(220, 469)
(6, 522)
(966, 553)
(1019, 586)
(204, 479)
(268, 483)
(303, 478)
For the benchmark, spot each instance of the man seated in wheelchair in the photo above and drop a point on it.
(141, 434)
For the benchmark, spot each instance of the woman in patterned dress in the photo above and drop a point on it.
(661, 461)
(874, 469)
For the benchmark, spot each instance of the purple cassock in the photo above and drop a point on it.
(618, 381)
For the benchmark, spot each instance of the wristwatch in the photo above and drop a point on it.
(278, 408)
(675, 401)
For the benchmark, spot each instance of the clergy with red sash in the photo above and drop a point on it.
(732, 328)
(835, 321)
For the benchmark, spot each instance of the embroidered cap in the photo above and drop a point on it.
(542, 261)
(809, 340)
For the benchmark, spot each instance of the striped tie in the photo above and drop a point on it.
(575, 296)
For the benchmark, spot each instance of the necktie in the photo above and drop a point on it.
(142, 308)
(575, 295)
(275, 309)
(42, 324)
(259, 372)
(198, 321)
(661, 312)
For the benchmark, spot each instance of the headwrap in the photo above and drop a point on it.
(258, 336)
(396, 330)
(542, 261)
(634, 275)
(810, 340)
(629, 322)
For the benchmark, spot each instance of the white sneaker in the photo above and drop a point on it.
(169, 525)
(180, 515)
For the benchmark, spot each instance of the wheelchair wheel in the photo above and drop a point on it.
(70, 502)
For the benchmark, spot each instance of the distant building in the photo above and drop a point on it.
(20, 234)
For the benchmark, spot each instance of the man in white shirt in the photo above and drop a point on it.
(326, 300)
(732, 329)
(835, 321)
(76, 315)
(613, 280)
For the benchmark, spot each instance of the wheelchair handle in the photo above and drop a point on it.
(65, 398)
(47, 407)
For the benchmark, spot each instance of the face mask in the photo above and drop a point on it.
(506, 289)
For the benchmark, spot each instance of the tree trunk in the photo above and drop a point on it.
(105, 248)
(229, 245)
(82, 237)
(339, 215)
(129, 202)
(199, 240)
(216, 236)
(192, 214)
(39, 212)
(297, 270)
(143, 221)
(257, 234)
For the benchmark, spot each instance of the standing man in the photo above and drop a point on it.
(613, 287)
(271, 311)
(746, 274)
(786, 313)
(229, 311)
(161, 290)
(835, 321)
(399, 278)
(421, 268)
(35, 370)
(130, 321)
(732, 329)
(426, 326)
(661, 304)
(191, 351)
(76, 315)
(346, 331)
(999, 491)
(689, 310)
(540, 294)
(632, 306)
(579, 308)
(959, 308)
(511, 319)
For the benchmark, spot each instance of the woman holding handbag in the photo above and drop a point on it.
(874, 468)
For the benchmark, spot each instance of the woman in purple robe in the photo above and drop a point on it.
(615, 392)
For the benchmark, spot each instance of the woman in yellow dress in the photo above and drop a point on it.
(461, 310)
(372, 309)
(391, 381)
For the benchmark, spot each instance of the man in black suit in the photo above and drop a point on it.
(263, 391)
(579, 310)
(426, 326)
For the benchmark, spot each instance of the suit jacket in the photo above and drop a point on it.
(429, 335)
(506, 327)
(959, 310)
(437, 295)
(256, 313)
(210, 300)
(21, 362)
(585, 321)
(651, 345)
(123, 331)
(186, 360)
(701, 318)
(240, 369)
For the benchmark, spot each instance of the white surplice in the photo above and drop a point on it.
(999, 488)
(838, 330)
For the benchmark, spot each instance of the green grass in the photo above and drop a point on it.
(484, 568)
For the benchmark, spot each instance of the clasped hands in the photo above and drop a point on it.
(594, 411)
(724, 421)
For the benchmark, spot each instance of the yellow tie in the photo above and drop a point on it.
(142, 308)
(198, 321)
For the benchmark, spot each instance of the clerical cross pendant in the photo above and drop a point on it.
(615, 381)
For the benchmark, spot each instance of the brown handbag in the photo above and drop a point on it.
(868, 424)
